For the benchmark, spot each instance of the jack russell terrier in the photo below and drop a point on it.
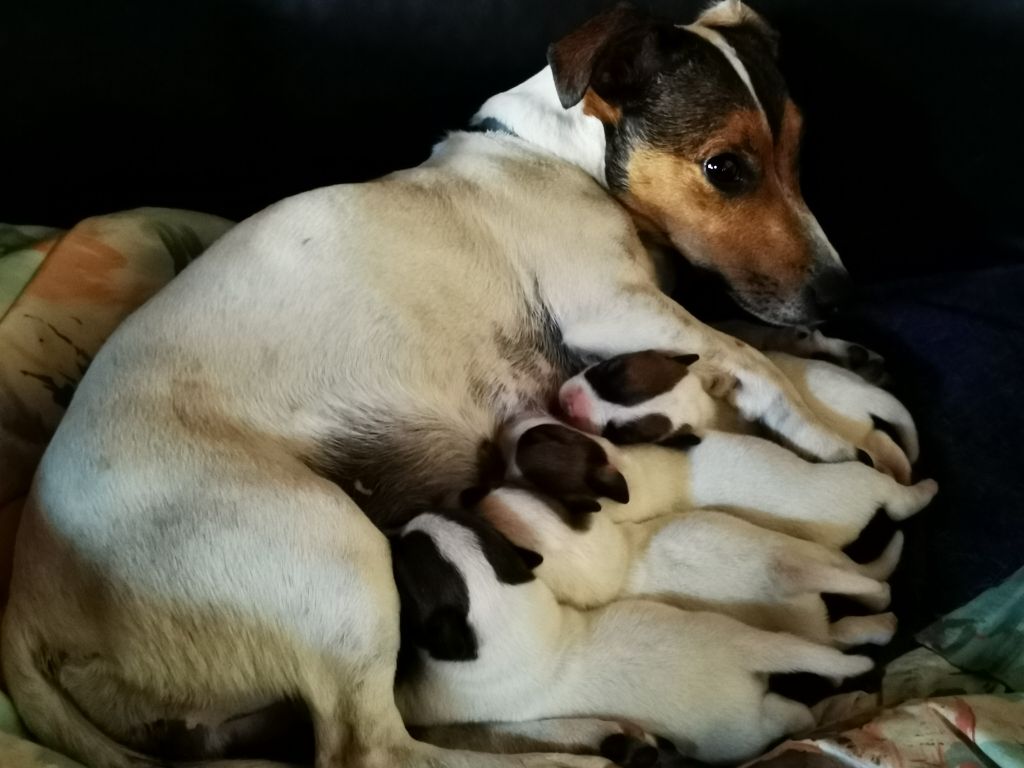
(203, 539)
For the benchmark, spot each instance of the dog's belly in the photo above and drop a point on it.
(395, 463)
(389, 377)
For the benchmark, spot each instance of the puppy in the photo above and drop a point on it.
(750, 477)
(633, 398)
(702, 560)
(866, 415)
(696, 678)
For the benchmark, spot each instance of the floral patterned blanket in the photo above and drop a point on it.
(956, 702)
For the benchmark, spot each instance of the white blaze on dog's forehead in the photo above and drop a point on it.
(729, 52)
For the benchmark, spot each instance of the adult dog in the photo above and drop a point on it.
(202, 539)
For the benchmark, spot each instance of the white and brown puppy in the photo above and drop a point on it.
(203, 538)
(747, 476)
(700, 560)
(494, 644)
(642, 396)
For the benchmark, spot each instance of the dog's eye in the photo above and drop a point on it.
(726, 171)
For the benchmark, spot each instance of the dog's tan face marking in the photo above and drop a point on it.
(595, 106)
(756, 239)
(702, 147)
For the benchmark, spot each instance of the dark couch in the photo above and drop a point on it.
(911, 162)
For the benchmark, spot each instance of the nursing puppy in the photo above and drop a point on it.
(700, 560)
(494, 644)
(747, 476)
(203, 537)
(640, 396)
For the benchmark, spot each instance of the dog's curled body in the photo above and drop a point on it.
(265, 375)
(195, 545)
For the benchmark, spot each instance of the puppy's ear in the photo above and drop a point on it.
(613, 54)
(531, 559)
(607, 481)
(682, 439)
(652, 428)
(686, 360)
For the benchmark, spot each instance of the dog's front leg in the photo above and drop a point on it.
(639, 317)
(808, 342)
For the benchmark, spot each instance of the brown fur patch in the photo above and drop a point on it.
(595, 106)
(636, 377)
(569, 467)
(756, 240)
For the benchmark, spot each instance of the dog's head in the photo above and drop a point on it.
(703, 147)
(639, 397)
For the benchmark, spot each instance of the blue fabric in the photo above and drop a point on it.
(955, 346)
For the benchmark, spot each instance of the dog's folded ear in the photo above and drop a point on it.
(613, 54)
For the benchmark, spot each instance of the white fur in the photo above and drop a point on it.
(697, 678)
(764, 483)
(846, 402)
(702, 559)
(177, 552)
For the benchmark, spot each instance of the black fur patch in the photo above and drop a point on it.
(434, 611)
(683, 439)
(755, 48)
(282, 732)
(651, 428)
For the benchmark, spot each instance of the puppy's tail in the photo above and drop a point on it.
(778, 652)
(55, 718)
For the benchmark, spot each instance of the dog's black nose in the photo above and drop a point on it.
(832, 290)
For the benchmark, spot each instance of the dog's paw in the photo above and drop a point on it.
(866, 363)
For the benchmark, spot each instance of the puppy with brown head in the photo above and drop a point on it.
(565, 465)
(702, 146)
(639, 397)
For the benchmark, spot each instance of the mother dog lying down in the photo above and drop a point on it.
(202, 539)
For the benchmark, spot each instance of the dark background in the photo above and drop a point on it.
(912, 161)
(914, 110)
